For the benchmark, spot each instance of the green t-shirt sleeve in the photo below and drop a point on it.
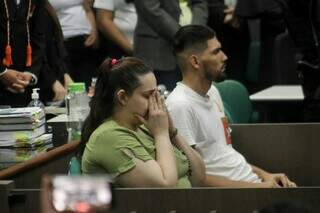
(115, 151)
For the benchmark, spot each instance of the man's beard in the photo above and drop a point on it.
(220, 76)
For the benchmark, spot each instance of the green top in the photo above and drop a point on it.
(111, 146)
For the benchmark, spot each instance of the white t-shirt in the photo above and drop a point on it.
(72, 17)
(125, 16)
(198, 120)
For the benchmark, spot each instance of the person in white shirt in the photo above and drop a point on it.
(196, 109)
(80, 37)
(117, 20)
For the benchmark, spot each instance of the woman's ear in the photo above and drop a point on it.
(122, 97)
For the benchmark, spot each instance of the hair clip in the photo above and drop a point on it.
(113, 61)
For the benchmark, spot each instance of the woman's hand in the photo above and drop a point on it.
(157, 122)
(59, 91)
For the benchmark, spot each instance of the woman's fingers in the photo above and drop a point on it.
(159, 101)
(152, 102)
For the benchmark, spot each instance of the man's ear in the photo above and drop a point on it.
(194, 61)
(122, 97)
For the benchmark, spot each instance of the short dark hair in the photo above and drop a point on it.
(192, 37)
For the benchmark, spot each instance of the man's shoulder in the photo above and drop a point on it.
(178, 97)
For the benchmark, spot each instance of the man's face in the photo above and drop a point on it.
(214, 61)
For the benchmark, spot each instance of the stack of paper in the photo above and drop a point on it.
(22, 126)
(9, 156)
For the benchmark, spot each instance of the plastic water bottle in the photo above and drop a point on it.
(35, 102)
(164, 93)
(77, 103)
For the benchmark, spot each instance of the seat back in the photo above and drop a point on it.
(283, 59)
(236, 97)
(74, 166)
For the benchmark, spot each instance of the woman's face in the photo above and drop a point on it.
(137, 103)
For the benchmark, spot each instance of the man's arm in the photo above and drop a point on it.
(110, 30)
(220, 181)
(278, 178)
(93, 39)
(157, 18)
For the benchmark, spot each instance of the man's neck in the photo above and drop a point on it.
(197, 84)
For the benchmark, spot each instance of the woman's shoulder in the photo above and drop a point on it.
(112, 132)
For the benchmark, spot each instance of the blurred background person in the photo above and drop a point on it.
(303, 22)
(230, 30)
(22, 43)
(55, 79)
(80, 37)
(158, 21)
(116, 20)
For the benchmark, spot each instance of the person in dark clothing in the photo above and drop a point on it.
(22, 43)
(230, 30)
(55, 76)
(303, 21)
(158, 21)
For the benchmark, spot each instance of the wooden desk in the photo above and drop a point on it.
(279, 104)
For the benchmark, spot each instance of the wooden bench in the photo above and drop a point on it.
(206, 200)
(289, 148)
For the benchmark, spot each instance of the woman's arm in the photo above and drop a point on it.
(196, 163)
(161, 172)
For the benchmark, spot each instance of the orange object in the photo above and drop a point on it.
(7, 61)
(29, 56)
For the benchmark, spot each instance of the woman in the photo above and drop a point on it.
(117, 143)
(117, 20)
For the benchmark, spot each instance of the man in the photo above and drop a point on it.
(158, 21)
(197, 111)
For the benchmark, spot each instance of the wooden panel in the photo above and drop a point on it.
(290, 148)
(5, 188)
(28, 174)
(206, 200)
(56, 161)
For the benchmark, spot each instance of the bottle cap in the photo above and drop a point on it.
(77, 87)
(35, 94)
